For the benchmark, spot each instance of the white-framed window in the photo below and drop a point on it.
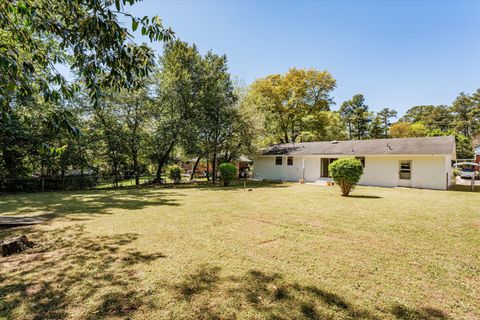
(405, 169)
(289, 161)
(278, 161)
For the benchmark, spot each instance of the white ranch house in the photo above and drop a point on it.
(408, 162)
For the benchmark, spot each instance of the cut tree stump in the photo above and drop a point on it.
(14, 245)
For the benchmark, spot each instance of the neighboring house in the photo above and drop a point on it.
(477, 154)
(409, 162)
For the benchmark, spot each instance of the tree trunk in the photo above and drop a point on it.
(162, 161)
(62, 174)
(135, 166)
(14, 245)
(214, 166)
(195, 168)
(115, 172)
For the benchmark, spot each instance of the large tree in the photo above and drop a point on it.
(37, 35)
(180, 82)
(466, 114)
(218, 113)
(357, 117)
(384, 117)
(288, 99)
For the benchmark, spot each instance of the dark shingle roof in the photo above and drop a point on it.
(426, 145)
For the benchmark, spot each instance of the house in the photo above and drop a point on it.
(405, 162)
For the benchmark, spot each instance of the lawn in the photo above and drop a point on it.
(279, 251)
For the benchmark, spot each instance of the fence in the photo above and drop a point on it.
(40, 184)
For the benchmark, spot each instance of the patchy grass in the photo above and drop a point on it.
(280, 251)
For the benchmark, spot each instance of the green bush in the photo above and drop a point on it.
(456, 172)
(228, 171)
(346, 173)
(174, 172)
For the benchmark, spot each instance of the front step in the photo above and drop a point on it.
(323, 181)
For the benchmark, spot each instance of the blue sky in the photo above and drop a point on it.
(398, 54)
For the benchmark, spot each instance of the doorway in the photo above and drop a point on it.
(324, 162)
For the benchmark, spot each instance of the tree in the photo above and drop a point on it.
(346, 173)
(180, 85)
(132, 109)
(357, 116)
(376, 129)
(108, 128)
(288, 99)
(324, 126)
(406, 130)
(464, 146)
(417, 113)
(36, 35)
(465, 114)
(218, 108)
(384, 117)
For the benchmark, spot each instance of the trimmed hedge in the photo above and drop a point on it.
(346, 173)
(228, 172)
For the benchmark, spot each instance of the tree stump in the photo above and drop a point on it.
(14, 245)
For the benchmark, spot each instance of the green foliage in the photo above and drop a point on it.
(346, 173)
(384, 117)
(228, 172)
(464, 146)
(287, 102)
(406, 130)
(174, 172)
(356, 115)
(466, 115)
(36, 35)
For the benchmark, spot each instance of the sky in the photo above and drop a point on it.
(398, 54)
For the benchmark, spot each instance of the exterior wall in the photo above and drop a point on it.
(429, 172)
(265, 168)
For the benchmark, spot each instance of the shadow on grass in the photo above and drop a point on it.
(464, 188)
(63, 204)
(271, 296)
(404, 313)
(68, 268)
(363, 196)
(238, 184)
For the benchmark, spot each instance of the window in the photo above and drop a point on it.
(405, 169)
(278, 161)
(289, 161)
(362, 160)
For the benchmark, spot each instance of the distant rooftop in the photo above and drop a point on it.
(421, 146)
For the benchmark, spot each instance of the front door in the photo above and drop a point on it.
(324, 166)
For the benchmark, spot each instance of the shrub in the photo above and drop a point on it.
(228, 171)
(174, 172)
(346, 173)
(456, 172)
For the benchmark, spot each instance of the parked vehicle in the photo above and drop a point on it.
(468, 170)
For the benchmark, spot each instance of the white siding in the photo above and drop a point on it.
(429, 172)
(265, 168)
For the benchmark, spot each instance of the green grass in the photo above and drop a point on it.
(279, 251)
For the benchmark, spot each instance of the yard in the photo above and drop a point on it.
(279, 251)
